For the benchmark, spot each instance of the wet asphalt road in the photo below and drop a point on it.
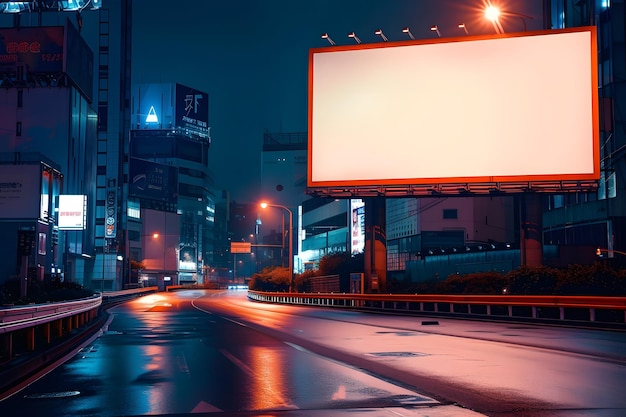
(217, 353)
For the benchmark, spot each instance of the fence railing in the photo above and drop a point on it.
(26, 328)
(590, 309)
(21, 317)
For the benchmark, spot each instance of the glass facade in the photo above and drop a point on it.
(578, 223)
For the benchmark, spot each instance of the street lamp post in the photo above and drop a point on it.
(265, 205)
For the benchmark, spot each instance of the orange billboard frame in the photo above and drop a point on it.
(356, 111)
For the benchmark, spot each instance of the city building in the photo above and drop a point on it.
(75, 113)
(283, 188)
(171, 229)
(47, 151)
(329, 226)
(96, 257)
(435, 237)
(576, 225)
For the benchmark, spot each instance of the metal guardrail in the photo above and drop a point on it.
(20, 317)
(596, 309)
(15, 318)
(33, 336)
(27, 328)
(123, 294)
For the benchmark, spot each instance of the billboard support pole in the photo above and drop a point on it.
(531, 242)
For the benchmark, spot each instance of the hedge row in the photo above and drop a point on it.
(596, 279)
(40, 292)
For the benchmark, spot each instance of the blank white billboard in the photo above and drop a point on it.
(515, 107)
(72, 213)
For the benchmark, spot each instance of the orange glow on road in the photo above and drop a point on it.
(269, 383)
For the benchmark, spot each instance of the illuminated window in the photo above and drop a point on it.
(133, 209)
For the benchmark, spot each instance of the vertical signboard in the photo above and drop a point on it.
(111, 210)
(357, 226)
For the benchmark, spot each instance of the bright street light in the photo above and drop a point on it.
(493, 14)
(266, 205)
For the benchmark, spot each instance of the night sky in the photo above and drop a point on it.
(251, 57)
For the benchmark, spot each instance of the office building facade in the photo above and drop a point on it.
(577, 225)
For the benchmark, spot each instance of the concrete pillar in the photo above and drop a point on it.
(30, 339)
(57, 328)
(531, 242)
(45, 330)
(7, 344)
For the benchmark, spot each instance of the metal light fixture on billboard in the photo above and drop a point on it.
(64, 6)
(380, 33)
(74, 5)
(435, 28)
(408, 32)
(325, 36)
(353, 35)
(15, 7)
(462, 26)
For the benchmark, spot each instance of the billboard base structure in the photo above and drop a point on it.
(459, 189)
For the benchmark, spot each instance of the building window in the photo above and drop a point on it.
(20, 98)
(18, 129)
(450, 214)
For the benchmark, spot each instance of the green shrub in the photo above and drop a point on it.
(533, 280)
(271, 279)
(40, 292)
(483, 283)
(596, 279)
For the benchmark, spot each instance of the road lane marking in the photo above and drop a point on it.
(182, 364)
(237, 362)
(297, 347)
